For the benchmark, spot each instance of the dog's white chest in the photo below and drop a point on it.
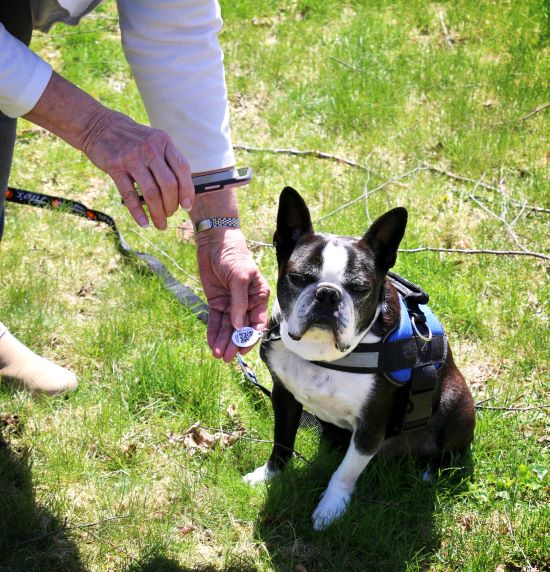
(333, 396)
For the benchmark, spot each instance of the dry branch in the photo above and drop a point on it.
(525, 116)
(486, 186)
(256, 440)
(70, 527)
(513, 537)
(537, 109)
(298, 152)
(378, 188)
(448, 38)
(509, 228)
(259, 244)
(174, 262)
(355, 164)
(503, 408)
(346, 65)
(475, 251)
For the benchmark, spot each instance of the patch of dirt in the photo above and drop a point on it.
(477, 367)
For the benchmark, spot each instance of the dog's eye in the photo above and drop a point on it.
(301, 279)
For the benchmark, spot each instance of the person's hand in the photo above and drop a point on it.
(132, 154)
(237, 293)
(137, 155)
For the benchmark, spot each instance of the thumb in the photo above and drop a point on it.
(239, 301)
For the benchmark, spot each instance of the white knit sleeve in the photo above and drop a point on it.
(23, 76)
(173, 50)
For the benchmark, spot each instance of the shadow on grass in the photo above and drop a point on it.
(389, 525)
(161, 563)
(31, 538)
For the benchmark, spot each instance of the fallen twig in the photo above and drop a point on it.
(509, 228)
(512, 535)
(259, 244)
(119, 549)
(503, 408)
(269, 441)
(378, 188)
(486, 186)
(309, 153)
(525, 116)
(69, 527)
(484, 401)
(476, 251)
(425, 166)
(346, 65)
(537, 109)
(174, 262)
(448, 38)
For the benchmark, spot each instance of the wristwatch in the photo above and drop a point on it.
(218, 222)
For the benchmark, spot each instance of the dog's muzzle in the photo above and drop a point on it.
(324, 311)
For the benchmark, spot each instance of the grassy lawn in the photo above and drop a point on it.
(105, 480)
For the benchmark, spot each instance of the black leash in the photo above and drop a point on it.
(183, 293)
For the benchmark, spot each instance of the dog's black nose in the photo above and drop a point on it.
(328, 296)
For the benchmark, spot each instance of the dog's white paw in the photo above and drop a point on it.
(260, 475)
(331, 507)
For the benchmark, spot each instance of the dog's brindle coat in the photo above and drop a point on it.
(332, 293)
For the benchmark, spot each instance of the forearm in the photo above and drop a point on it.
(68, 112)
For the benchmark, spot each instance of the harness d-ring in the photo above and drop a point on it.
(420, 335)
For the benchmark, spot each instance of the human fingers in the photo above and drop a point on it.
(182, 171)
(151, 193)
(214, 324)
(125, 186)
(223, 337)
(231, 351)
(258, 300)
(167, 184)
(238, 288)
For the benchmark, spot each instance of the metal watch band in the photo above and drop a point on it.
(223, 221)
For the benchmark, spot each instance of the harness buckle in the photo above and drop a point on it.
(414, 319)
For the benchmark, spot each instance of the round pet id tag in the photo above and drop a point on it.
(245, 337)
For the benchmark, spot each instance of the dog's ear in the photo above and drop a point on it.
(384, 236)
(293, 222)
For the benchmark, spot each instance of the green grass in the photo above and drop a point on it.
(101, 480)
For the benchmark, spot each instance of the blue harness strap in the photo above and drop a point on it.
(404, 331)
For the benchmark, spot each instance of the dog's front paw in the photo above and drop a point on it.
(260, 475)
(332, 506)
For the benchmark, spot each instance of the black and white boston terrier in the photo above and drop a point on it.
(334, 298)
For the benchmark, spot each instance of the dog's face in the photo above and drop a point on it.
(329, 287)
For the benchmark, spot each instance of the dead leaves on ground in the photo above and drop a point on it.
(201, 439)
(10, 424)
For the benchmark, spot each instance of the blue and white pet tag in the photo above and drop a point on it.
(245, 337)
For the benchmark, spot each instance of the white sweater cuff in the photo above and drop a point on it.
(23, 76)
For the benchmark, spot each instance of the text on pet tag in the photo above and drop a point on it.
(245, 337)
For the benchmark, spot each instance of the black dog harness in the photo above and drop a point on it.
(408, 356)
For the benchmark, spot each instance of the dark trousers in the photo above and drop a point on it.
(16, 17)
